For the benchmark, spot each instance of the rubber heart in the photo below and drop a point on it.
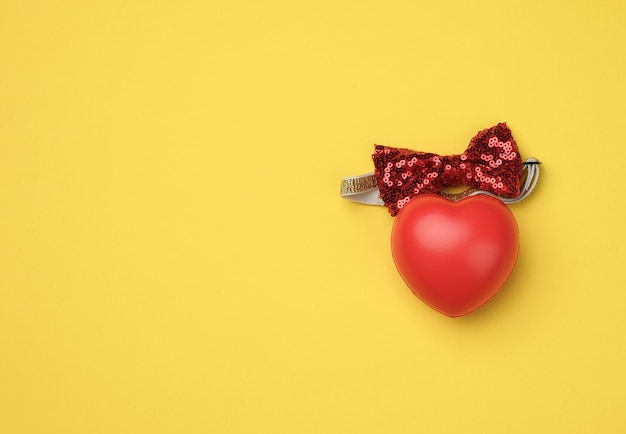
(455, 256)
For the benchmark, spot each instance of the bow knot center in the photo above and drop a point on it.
(454, 169)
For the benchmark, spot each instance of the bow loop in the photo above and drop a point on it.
(491, 163)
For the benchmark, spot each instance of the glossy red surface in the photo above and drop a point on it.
(455, 256)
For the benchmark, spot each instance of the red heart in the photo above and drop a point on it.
(455, 256)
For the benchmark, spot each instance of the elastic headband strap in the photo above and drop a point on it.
(364, 189)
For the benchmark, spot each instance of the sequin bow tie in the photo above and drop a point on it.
(490, 163)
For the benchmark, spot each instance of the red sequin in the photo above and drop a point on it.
(491, 162)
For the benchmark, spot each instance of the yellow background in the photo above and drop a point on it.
(175, 258)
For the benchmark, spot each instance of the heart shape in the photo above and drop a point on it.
(455, 256)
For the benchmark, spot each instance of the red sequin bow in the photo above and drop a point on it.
(491, 162)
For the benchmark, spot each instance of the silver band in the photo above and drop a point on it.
(364, 189)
